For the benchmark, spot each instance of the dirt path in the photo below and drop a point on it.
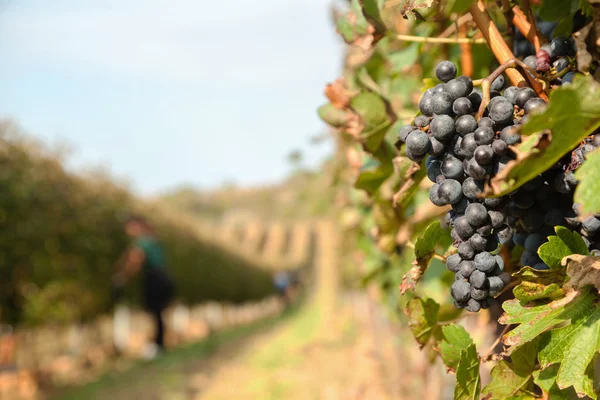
(336, 347)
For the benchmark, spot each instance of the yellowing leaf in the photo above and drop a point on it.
(573, 113)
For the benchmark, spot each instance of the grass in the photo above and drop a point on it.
(167, 370)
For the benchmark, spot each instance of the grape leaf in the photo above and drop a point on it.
(412, 174)
(573, 113)
(535, 320)
(456, 340)
(404, 58)
(374, 115)
(424, 252)
(376, 169)
(588, 175)
(332, 115)
(461, 6)
(537, 285)
(583, 270)
(509, 378)
(575, 347)
(352, 25)
(564, 244)
(552, 10)
(370, 10)
(426, 244)
(468, 381)
(422, 316)
(546, 380)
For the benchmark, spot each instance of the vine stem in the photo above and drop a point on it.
(423, 39)
(494, 39)
(466, 56)
(528, 30)
(493, 346)
(508, 16)
(456, 25)
(512, 63)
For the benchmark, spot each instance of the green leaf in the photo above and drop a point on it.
(456, 341)
(426, 244)
(546, 380)
(404, 58)
(588, 175)
(422, 314)
(373, 112)
(411, 179)
(461, 6)
(331, 115)
(376, 169)
(552, 10)
(353, 24)
(537, 285)
(535, 320)
(575, 347)
(572, 114)
(563, 244)
(370, 10)
(509, 378)
(468, 381)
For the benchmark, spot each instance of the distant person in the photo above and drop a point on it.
(146, 256)
(282, 281)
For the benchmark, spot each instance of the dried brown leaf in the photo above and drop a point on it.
(338, 94)
(583, 270)
(411, 278)
(412, 5)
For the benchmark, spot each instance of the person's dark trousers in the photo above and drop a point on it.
(158, 292)
(159, 326)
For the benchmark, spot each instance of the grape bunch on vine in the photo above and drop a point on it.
(468, 135)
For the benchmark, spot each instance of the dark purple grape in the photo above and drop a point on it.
(442, 103)
(460, 290)
(561, 47)
(417, 142)
(483, 155)
(453, 262)
(485, 262)
(484, 136)
(442, 127)
(445, 71)
(534, 105)
(465, 124)
(465, 251)
(499, 147)
(452, 168)
(523, 96)
(450, 191)
(462, 106)
(501, 112)
(471, 188)
(426, 104)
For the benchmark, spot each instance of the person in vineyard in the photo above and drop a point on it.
(146, 257)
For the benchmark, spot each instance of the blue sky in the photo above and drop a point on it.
(171, 92)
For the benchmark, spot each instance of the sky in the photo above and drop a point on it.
(171, 92)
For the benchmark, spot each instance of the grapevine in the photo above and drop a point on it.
(496, 175)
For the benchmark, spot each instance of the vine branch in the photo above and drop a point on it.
(495, 40)
(528, 29)
(493, 346)
(423, 39)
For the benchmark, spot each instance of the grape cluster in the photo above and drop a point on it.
(547, 201)
(461, 154)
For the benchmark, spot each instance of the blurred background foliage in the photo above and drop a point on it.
(62, 233)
